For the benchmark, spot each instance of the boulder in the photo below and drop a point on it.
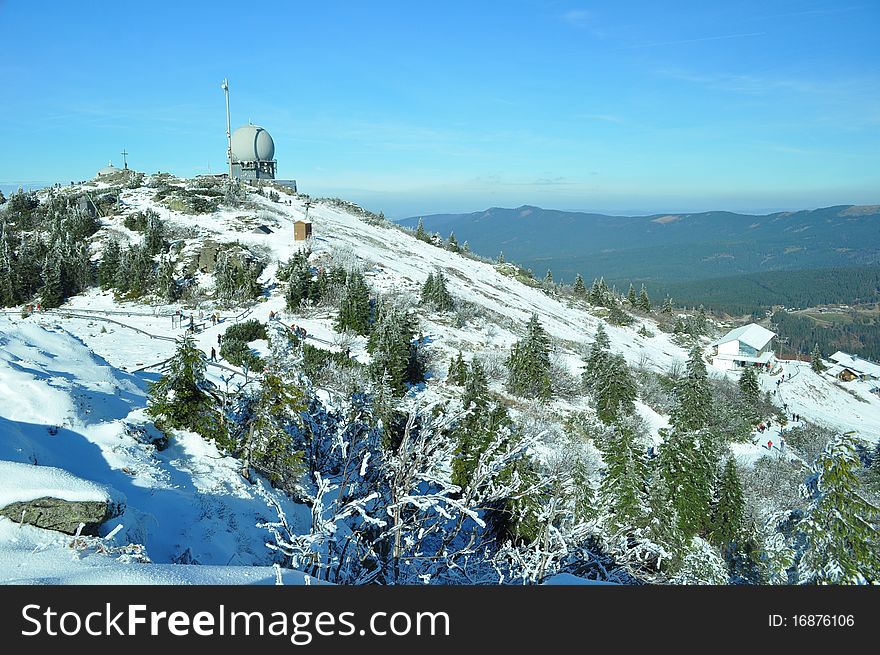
(61, 515)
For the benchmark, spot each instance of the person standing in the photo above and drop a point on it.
(213, 354)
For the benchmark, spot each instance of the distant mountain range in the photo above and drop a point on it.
(664, 248)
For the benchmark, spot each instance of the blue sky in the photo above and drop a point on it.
(414, 108)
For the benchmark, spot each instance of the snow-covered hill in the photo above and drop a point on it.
(65, 407)
(73, 383)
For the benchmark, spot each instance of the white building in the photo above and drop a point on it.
(749, 345)
(849, 367)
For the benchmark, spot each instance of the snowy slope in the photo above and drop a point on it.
(73, 383)
(70, 409)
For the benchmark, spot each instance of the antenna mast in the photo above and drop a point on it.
(124, 154)
(225, 87)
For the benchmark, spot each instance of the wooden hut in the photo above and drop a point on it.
(302, 230)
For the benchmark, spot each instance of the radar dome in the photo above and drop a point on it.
(109, 169)
(252, 143)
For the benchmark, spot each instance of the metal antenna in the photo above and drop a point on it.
(225, 87)
(124, 154)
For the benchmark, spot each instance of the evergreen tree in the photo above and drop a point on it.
(134, 275)
(457, 370)
(623, 487)
(500, 258)
(421, 235)
(110, 257)
(616, 316)
(579, 288)
(266, 442)
(816, 360)
(839, 525)
(693, 408)
(668, 307)
(476, 386)
(614, 389)
(600, 295)
(393, 347)
(385, 411)
(529, 363)
(748, 385)
(700, 323)
(435, 293)
(584, 493)
(354, 309)
(727, 520)
(662, 527)
(300, 283)
(10, 288)
(597, 359)
(478, 429)
(154, 235)
(52, 291)
(178, 399)
(168, 287)
(631, 296)
(644, 300)
(548, 279)
(452, 243)
(465, 247)
(687, 467)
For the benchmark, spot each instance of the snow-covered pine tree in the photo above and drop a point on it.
(631, 296)
(393, 347)
(667, 307)
(265, 440)
(457, 370)
(614, 389)
(9, 291)
(110, 257)
(748, 385)
(166, 283)
(688, 466)
(452, 243)
(727, 518)
(300, 282)
(354, 308)
(428, 288)
(700, 322)
(579, 287)
(435, 294)
(548, 278)
(178, 399)
(644, 302)
(52, 291)
(421, 235)
(624, 484)
(476, 386)
(701, 565)
(816, 360)
(529, 363)
(154, 235)
(693, 409)
(597, 359)
(839, 525)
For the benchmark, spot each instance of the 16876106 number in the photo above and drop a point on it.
(812, 621)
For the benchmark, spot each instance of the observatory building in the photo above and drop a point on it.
(252, 154)
(109, 169)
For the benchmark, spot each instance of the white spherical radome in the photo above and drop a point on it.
(109, 169)
(252, 143)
